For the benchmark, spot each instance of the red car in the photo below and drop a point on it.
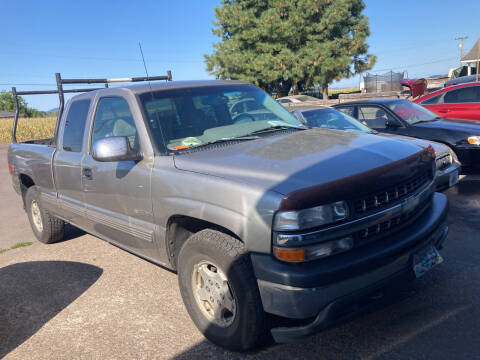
(455, 102)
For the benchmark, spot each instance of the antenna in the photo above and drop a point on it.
(144, 64)
(153, 97)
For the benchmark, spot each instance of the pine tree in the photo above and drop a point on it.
(283, 44)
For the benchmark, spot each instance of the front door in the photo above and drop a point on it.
(117, 193)
(376, 118)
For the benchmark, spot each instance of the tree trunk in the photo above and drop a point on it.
(325, 93)
(294, 87)
(278, 90)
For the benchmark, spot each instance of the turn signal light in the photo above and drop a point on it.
(474, 140)
(10, 167)
(291, 255)
(432, 152)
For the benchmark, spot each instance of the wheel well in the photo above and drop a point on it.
(180, 228)
(25, 182)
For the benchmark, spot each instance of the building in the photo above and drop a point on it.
(472, 58)
(6, 114)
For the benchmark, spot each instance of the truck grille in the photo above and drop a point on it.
(444, 161)
(374, 201)
(389, 226)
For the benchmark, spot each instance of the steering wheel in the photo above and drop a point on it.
(243, 118)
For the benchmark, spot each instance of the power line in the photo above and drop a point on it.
(416, 65)
(100, 58)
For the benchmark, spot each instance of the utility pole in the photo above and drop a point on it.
(461, 38)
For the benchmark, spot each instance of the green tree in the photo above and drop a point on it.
(278, 44)
(7, 104)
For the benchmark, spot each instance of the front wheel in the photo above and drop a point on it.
(219, 290)
(46, 227)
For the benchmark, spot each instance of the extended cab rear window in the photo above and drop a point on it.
(75, 125)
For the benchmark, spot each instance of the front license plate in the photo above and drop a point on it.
(425, 259)
(453, 179)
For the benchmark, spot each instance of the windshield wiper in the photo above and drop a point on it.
(223, 140)
(276, 128)
(427, 121)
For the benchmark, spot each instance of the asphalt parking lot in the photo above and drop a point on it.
(83, 298)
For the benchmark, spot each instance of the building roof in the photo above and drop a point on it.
(6, 114)
(474, 54)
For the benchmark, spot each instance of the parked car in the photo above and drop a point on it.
(448, 166)
(295, 101)
(461, 80)
(403, 117)
(417, 87)
(258, 217)
(455, 102)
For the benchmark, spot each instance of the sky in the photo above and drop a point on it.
(100, 39)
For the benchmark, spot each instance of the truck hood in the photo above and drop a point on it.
(438, 147)
(309, 158)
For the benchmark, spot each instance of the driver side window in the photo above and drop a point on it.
(113, 118)
(373, 116)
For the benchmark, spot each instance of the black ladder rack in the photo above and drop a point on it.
(61, 91)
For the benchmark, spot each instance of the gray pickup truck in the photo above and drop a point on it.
(261, 217)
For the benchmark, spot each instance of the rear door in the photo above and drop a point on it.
(68, 158)
(462, 103)
(117, 194)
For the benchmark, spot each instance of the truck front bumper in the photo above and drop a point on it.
(328, 290)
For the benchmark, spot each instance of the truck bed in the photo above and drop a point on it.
(33, 159)
(49, 141)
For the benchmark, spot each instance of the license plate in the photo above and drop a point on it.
(425, 259)
(453, 179)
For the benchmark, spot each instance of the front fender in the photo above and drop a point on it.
(243, 209)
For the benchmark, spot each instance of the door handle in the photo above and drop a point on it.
(443, 111)
(87, 173)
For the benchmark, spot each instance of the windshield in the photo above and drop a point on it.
(196, 116)
(333, 119)
(410, 112)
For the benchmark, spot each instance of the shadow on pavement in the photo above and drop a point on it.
(72, 232)
(31, 293)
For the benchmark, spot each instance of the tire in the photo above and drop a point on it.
(47, 228)
(241, 328)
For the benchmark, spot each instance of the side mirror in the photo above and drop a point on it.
(115, 148)
(391, 124)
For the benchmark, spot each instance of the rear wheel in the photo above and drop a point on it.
(219, 290)
(46, 227)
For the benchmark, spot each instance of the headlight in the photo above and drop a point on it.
(474, 140)
(309, 218)
(453, 155)
(313, 252)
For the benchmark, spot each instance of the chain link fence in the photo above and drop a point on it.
(390, 81)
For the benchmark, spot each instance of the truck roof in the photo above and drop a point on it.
(144, 87)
